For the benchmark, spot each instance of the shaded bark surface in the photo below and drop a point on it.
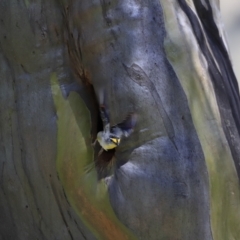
(33, 202)
(175, 177)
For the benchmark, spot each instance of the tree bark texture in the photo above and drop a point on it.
(175, 178)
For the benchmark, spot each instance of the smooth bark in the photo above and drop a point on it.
(176, 177)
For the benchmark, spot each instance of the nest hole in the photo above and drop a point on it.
(104, 163)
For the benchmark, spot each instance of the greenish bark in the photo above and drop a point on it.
(176, 177)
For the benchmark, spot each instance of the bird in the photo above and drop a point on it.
(111, 136)
(107, 139)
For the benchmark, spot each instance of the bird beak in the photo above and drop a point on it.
(116, 140)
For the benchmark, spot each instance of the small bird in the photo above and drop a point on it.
(111, 137)
(107, 139)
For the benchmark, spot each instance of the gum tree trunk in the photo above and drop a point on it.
(175, 178)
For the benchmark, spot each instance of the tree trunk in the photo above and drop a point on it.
(175, 178)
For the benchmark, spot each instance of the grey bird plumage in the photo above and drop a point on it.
(111, 136)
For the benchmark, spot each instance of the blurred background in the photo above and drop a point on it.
(230, 10)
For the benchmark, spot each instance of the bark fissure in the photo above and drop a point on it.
(227, 95)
